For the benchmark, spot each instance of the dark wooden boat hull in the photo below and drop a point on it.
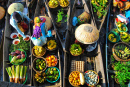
(96, 55)
(99, 22)
(61, 31)
(7, 42)
(40, 9)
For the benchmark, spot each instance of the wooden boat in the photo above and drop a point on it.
(92, 60)
(42, 11)
(109, 60)
(99, 21)
(6, 46)
(61, 31)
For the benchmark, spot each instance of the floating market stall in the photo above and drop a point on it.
(51, 74)
(83, 64)
(60, 13)
(99, 11)
(118, 44)
(16, 49)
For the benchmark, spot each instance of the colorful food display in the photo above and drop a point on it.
(91, 78)
(51, 44)
(125, 37)
(121, 27)
(75, 49)
(52, 74)
(17, 74)
(38, 51)
(100, 7)
(64, 3)
(74, 78)
(25, 45)
(122, 51)
(40, 77)
(17, 57)
(40, 64)
(53, 3)
(51, 61)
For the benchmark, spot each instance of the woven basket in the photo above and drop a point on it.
(34, 61)
(64, 6)
(115, 56)
(53, 7)
(96, 74)
(69, 80)
(36, 55)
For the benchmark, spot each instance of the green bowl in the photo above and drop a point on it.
(116, 34)
(10, 57)
(123, 31)
(56, 79)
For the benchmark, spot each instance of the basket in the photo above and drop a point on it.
(69, 80)
(10, 57)
(77, 66)
(115, 56)
(34, 63)
(123, 41)
(55, 64)
(123, 31)
(36, 55)
(56, 79)
(96, 74)
(53, 7)
(54, 48)
(76, 55)
(116, 34)
(64, 6)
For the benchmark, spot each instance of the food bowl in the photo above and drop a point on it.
(72, 76)
(75, 49)
(13, 35)
(27, 38)
(40, 65)
(49, 73)
(51, 61)
(51, 44)
(18, 63)
(121, 30)
(64, 6)
(52, 6)
(90, 74)
(39, 55)
(116, 37)
(16, 41)
(119, 52)
(125, 37)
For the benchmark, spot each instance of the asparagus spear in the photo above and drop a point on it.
(24, 74)
(9, 73)
(17, 74)
(21, 74)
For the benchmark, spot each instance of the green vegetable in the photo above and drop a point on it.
(25, 45)
(14, 59)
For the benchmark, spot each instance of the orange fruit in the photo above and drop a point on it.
(53, 64)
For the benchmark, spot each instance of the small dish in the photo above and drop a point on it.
(16, 41)
(51, 61)
(37, 50)
(16, 61)
(13, 35)
(27, 38)
(34, 64)
(48, 74)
